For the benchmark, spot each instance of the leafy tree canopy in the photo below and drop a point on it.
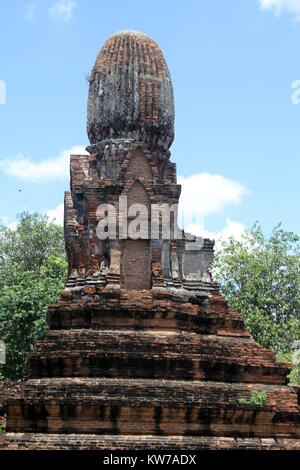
(260, 277)
(28, 247)
(32, 274)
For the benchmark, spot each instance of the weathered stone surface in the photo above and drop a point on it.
(131, 93)
(178, 264)
(163, 407)
(146, 354)
(35, 441)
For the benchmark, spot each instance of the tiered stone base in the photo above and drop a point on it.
(156, 407)
(144, 370)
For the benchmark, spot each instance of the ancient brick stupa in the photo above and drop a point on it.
(142, 351)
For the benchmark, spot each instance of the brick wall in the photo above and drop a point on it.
(135, 273)
(138, 166)
(135, 255)
(138, 195)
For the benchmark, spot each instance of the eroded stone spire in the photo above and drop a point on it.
(131, 94)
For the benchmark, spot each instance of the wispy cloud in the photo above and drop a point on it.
(206, 194)
(62, 10)
(30, 11)
(203, 194)
(57, 215)
(48, 169)
(280, 6)
(231, 229)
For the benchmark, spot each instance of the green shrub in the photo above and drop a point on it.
(258, 398)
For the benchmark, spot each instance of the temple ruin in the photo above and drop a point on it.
(142, 351)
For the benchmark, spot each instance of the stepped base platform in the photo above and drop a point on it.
(165, 407)
(153, 354)
(33, 441)
(152, 384)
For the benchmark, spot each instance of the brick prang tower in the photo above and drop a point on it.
(142, 351)
(130, 127)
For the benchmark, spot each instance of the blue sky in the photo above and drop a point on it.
(233, 64)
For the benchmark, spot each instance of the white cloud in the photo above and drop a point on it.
(204, 194)
(231, 229)
(30, 11)
(57, 215)
(279, 6)
(52, 168)
(4, 220)
(13, 225)
(62, 10)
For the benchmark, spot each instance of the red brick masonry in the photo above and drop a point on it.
(142, 351)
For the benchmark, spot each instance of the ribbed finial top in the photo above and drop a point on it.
(131, 93)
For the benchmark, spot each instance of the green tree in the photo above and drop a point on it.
(32, 274)
(294, 376)
(260, 277)
(29, 246)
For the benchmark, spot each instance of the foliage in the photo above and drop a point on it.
(28, 247)
(294, 376)
(242, 401)
(32, 274)
(88, 76)
(260, 277)
(258, 398)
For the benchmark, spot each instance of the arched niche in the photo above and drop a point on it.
(135, 253)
